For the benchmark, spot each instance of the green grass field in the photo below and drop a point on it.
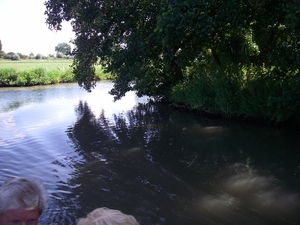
(32, 64)
(40, 72)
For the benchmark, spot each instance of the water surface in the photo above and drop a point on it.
(159, 164)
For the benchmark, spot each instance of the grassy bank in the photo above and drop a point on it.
(39, 72)
(249, 93)
(22, 65)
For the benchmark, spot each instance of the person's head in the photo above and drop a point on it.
(22, 201)
(105, 216)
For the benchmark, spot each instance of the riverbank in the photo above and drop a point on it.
(39, 72)
(291, 123)
(260, 100)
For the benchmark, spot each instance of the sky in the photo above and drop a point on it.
(23, 28)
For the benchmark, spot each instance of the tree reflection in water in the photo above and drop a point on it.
(118, 171)
(164, 167)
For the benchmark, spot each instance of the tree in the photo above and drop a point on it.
(63, 48)
(31, 56)
(59, 55)
(22, 56)
(2, 53)
(148, 45)
(122, 44)
(12, 56)
(38, 56)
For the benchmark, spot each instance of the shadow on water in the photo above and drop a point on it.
(169, 167)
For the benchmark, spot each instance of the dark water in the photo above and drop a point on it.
(161, 165)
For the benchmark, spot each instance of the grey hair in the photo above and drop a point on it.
(105, 216)
(24, 193)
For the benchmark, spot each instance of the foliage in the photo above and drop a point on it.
(120, 36)
(22, 56)
(7, 76)
(155, 48)
(257, 95)
(12, 56)
(38, 56)
(59, 55)
(28, 73)
(2, 54)
(31, 56)
(63, 48)
(32, 64)
(37, 76)
(0, 46)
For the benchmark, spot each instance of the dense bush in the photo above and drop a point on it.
(12, 56)
(59, 55)
(22, 56)
(38, 56)
(15, 57)
(37, 76)
(8, 76)
(2, 54)
(42, 76)
(252, 92)
(31, 56)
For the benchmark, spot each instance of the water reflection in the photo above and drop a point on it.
(261, 197)
(161, 165)
(118, 170)
(12, 99)
(165, 167)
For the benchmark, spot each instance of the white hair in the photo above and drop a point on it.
(24, 193)
(105, 216)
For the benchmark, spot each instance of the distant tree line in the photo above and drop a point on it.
(63, 51)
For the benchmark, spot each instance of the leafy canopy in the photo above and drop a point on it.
(148, 45)
(63, 48)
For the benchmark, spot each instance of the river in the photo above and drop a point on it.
(159, 164)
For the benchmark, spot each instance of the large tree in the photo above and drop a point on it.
(120, 33)
(63, 48)
(2, 53)
(148, 45)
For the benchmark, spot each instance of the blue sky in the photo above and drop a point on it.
(23, 28)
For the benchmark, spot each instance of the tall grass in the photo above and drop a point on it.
(32, 64)
(37, 76)
(39, 72)
(241, 92)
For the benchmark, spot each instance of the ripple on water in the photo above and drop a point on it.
(163, 166)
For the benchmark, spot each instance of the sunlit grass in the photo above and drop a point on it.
(39, 72)
(32, 64)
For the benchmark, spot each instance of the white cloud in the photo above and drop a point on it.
(23, 28)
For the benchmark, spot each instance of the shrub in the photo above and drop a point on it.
(15, 57)
(241, 92)
(2, 54)
(22, 56)
(59, 55)
(31, 56)
(8, 76)
(23, 78)
(12, 56)
(38, 56)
